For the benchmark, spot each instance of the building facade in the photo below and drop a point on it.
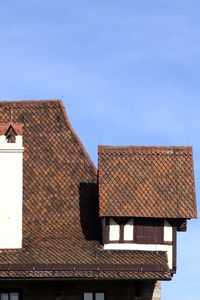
(70, 230)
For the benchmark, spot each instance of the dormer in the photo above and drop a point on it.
(11, 188)
(146, 195)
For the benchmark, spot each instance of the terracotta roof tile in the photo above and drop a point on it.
(60, 199)
(146, 182)
(147, 265)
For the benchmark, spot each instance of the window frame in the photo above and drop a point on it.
(9, 291)
(94, 294)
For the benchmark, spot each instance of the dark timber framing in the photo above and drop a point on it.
(140, 226)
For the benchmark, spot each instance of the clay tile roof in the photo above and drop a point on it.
(112, 265)
(146, 182)
(61, 227)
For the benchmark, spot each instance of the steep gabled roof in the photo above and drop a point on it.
(61, 226)
(146, 182)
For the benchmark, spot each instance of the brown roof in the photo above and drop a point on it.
(146, 182)
(60, 203)
(105, 264)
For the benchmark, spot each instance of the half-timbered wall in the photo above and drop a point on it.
(137, 230)
(145, 234)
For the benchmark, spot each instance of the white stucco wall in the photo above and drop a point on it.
(128, 230)
(11, 193)
(114, 231)
(168, 232)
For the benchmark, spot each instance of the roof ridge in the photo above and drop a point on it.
(32, 103)
(145, 149)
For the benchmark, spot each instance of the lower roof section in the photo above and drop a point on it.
(107, 275)
(153, 266)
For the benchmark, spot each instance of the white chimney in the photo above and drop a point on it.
(11, 185)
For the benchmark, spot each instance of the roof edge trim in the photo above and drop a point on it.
(62, 107)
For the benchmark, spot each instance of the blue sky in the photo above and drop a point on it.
(128, 73)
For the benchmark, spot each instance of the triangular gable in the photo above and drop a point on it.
(6, 127)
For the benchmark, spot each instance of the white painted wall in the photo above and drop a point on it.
(114, 231)
(168, 232)
(11, 193)
(128, 230)
(143, 247)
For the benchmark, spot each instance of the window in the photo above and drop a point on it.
(9, 296)
(93, 296)
(58, 296)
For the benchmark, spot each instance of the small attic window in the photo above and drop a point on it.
(10, 135)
